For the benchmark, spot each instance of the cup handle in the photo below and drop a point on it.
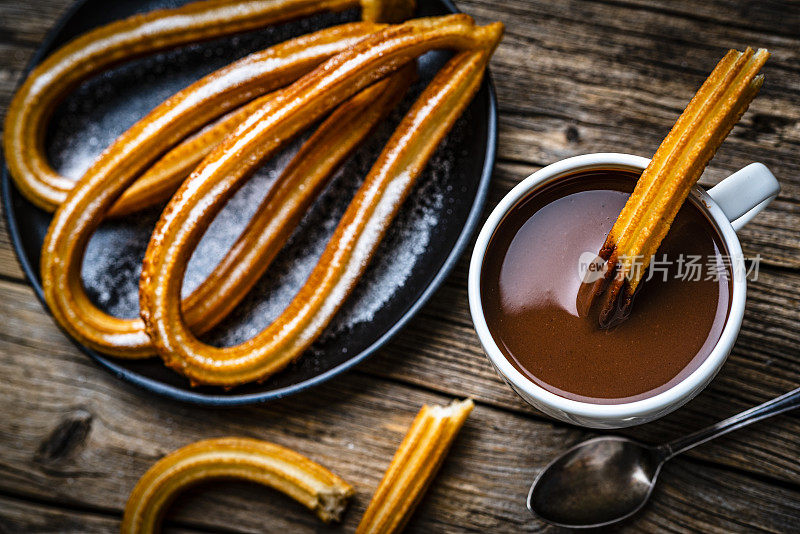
(743, 194)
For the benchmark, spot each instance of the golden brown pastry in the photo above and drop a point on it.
(160, 181)
(114, 43)
(253, 460)
(289, 198)
(362, 226)
(297, 186)
(665, 183)
(413, 467)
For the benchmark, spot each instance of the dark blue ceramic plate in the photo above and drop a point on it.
(421, 248)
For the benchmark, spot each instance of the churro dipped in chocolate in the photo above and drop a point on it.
(666, 182)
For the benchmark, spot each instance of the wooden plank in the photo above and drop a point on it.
(9, 266)
(771, 17)
(18, 515)
(21, 516)
(15, 58)
(84, 438)
(26, 23)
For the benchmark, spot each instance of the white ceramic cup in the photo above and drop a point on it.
(729, 205)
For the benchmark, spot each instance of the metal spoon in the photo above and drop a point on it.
(607, 479)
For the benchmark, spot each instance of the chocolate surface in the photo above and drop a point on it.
(530, 279)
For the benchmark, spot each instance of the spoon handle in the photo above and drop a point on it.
(778, 405)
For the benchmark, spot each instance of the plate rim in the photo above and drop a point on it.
(203, 399)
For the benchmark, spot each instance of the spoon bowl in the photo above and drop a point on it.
(607, 479)
(596, 483)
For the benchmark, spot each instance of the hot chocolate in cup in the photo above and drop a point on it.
(567, 377)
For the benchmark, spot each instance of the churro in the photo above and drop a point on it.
(114, 43)
(257, 461)
(363, 224)
(413, 467)
(666, 182)
(293, 191)
(160, 181)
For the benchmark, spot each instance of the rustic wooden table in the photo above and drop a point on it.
(572, 77)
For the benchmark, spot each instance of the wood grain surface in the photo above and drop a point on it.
(572, 77)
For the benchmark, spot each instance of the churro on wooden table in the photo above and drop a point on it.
(413, 467)
(253, 460)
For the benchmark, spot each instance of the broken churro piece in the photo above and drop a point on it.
(246, 459)
(666, 182)
(413, 467)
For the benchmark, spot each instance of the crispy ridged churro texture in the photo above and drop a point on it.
(160, 181)
(666, 182)
(363, 224)
(246, 459)
(413, 467)
(250, 256)
(113, 43)
(300, 183)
